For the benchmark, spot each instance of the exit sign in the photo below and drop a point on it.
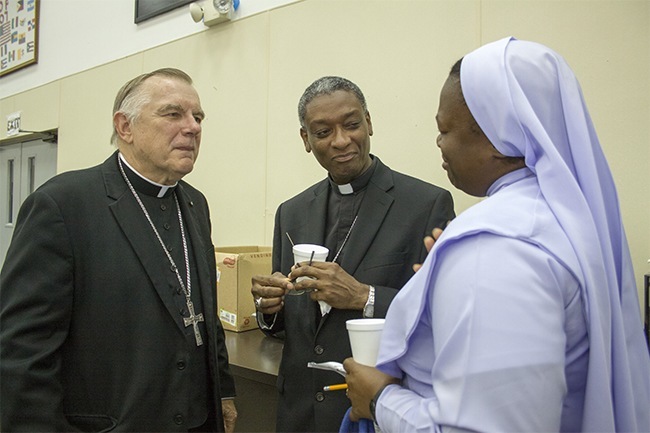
(13, 124)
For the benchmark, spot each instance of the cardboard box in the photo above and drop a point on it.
(235, 268)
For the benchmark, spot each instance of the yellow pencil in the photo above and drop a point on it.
(337, 387)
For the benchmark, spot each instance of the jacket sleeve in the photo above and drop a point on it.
(226, 379)
(273, 324)
(36, 287)
(442, 211)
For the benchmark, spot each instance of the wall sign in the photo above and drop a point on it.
(18, 34)
(145, 9)
(13, 124)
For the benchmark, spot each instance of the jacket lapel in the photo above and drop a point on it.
(196, 238)
(374, 207)
(373, 210)
(310, 229)
(314, 218)
(136, 228)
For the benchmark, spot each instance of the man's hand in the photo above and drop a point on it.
(429, 241)
(332, 284)
(229, 414)
(363, 383)
(268, 292)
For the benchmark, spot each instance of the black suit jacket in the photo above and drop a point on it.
(90, 338)
(396, 213)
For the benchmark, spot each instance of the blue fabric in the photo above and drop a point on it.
(364, 425)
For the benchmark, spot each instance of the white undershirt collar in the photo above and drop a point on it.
(345, 189)
(163, 188)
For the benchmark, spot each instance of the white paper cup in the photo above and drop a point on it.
(364, 339)
(302, 253)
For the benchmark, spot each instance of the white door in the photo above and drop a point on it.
(9, 193)
(23, 168)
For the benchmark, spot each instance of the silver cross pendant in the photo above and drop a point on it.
(194, 320)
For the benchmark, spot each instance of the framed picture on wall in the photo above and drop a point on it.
(145, 9)
(18, 34)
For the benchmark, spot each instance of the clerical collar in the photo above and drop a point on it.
(144, 185)
(357, 184)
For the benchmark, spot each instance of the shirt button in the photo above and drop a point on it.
(163, 207)
(166, 226)
(180, 364)
(318, 350)
(178, 419)
(320, 396)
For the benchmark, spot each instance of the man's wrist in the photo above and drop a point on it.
(263, 323)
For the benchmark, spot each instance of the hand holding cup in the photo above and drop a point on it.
(307, 253)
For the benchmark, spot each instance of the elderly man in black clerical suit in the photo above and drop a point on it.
(372, 219)
(107, 295)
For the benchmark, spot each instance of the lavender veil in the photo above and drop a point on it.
(529, 104)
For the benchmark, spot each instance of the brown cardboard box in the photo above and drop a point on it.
(235, 268)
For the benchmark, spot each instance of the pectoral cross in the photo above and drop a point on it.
(194, 320)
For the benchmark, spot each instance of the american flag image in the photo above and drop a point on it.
(5, 32)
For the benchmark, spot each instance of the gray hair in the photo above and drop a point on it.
(132, 97)
(327, 86)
